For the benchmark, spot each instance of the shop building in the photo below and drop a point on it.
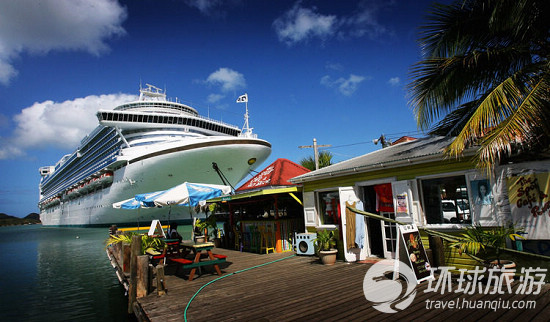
(415, 182)
(266, 211)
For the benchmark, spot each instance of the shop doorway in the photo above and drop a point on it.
(373, 225)
(378, 199)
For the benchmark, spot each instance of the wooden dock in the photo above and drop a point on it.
(282, 287)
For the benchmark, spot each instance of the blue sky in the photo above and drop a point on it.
(331, 70)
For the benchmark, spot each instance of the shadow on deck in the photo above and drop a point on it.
(284, 288)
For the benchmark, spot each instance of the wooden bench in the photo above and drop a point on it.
(186, 263)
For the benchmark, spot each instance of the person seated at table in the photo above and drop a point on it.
(173, 232)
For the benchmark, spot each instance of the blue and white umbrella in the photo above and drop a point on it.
(146, 198)
(134, 203)
(131, 203)
(139, 201)
(185, 194)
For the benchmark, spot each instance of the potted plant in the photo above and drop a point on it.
(326, 242)
(477, 240)
(200, 230)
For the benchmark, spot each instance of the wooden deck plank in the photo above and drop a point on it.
(298, 288)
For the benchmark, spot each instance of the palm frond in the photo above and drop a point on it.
(484, 76)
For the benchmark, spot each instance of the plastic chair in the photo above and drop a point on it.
(254, 239)
(267, 241)
(237, 235)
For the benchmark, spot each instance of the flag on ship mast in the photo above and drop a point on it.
(242, 98)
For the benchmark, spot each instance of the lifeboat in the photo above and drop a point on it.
(50, 202)
(55, 201)
(92, 183)
(106, 178)
(73, 192)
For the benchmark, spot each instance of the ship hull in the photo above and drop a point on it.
(159, 169)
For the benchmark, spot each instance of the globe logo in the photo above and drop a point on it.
(386, 294)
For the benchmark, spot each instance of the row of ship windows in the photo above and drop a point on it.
(89, 171)
(83, 149)
(112, 146)
(52, 209)
(110, 116)
(77, 170)
(155, 105)
(111, 134)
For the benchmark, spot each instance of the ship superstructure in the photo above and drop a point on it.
(142, 146)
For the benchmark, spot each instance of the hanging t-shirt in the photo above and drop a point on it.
(384, 197)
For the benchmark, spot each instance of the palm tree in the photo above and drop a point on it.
(485, 77)
(325, 159)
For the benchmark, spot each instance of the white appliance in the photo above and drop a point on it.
(304, 243)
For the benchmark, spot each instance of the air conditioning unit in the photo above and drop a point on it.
(304, 243)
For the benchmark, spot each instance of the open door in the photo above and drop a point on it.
(354, 228)
(389, 235)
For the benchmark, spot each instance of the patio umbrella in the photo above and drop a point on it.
(187, 194)
(137, 203)
(131, 203)
(147, 198)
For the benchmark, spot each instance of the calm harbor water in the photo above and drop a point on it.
(58, 274)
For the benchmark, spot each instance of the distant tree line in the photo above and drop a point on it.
(7, 220)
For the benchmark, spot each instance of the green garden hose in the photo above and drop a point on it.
(224, 276)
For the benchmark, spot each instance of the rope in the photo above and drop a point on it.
(219, 278)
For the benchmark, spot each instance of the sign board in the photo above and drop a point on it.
(411, 252)
(156, 229)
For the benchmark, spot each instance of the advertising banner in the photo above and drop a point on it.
(530, 203)
(412, 252)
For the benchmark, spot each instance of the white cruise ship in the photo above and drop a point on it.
(143, 146)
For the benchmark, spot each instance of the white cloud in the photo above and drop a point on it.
(38, 27)
(334, 66)
(206, 7)
(394, 81)
(345, 86)
(229, 79)
(214, 98)
(299, 24)
(365, 21)
(56, 124)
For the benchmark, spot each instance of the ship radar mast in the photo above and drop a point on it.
(247, 130)
(151, 92)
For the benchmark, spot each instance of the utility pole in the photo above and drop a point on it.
(315, 151)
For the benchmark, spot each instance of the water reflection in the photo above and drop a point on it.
(58, 274)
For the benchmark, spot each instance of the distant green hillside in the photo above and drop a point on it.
(7, 220)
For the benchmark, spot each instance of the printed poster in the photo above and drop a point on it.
(402, 206)
(484, 211)
(414, 251)
(530, 203)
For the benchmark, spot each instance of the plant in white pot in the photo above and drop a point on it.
(326, 242)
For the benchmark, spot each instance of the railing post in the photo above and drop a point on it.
(135, 252)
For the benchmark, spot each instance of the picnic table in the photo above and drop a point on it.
(199, 261)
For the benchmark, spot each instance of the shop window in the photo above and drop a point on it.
(445, 200)
(329, 203)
